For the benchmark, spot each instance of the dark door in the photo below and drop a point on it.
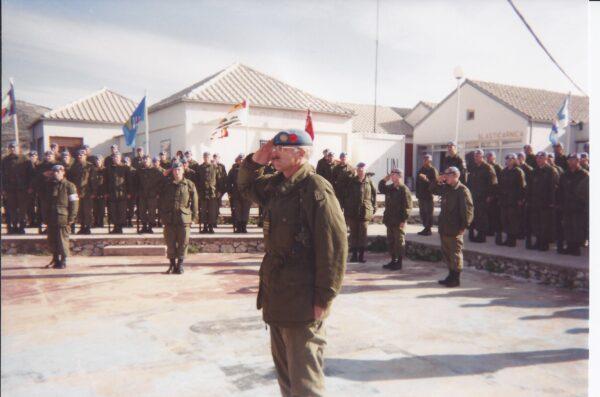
(72, 144)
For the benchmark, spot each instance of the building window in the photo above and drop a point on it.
(470, 114)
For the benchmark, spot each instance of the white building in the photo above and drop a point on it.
(502, 118)
(94, 120)
(186, 119)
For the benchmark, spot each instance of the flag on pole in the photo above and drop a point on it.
(130, 128)
(9, 107)
(309, 126)
(236, 115)
(561, 121)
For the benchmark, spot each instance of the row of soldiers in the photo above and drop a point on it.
(124, 186)
(542, 196)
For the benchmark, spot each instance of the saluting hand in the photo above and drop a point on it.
(263, 155)
(318, 312)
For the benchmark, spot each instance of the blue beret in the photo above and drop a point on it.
(176, 164)
(58, 167)
(342, 154)
(360, 165)
(292, 137)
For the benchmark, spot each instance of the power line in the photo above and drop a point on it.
(376, 56)
(542, 45)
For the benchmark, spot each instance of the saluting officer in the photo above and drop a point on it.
(206, 185)
(360, 201)
(542, 197)
(427, 174)
(149, 182)
(398, 203)
(62, 204)
(14, 188)
(511, 187)
(456, 214)
(82, 176)
(573, 198)
(178, 207)
(304, 264)
(117, 192)
(240, 205)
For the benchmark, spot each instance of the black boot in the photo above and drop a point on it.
(244, 227)
(236, 227)
(445, 281)
(427, 232)
(210, 229)
(390, 264)
(204, 229)
(511, 241)
(361, 255)
(73, 228)
(454, 280)
(149, 230)
(354, 257)
(61, 263)
(179, 266)
(472, 235)
(536, 245)
(22, 228)
(397, 265)
(423, 232)
(81, 230)
(560, 248)
(499, 238)
(481, 237)
(53, 262)
(171, 266)
(119, 229)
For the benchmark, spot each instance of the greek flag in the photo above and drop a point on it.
(130, 128)
(561, 121)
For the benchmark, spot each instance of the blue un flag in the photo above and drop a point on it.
(130, 128)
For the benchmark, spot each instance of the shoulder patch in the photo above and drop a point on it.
(319, 196)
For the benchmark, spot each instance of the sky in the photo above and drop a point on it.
(59, 51)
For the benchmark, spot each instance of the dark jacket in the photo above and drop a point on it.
(360, 198)
(398, 203)
(511, 187)
(423, 192)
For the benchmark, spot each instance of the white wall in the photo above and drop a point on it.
(379, 152)
(417, 114)
(166, 124)
(98, 136)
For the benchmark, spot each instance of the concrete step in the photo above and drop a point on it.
(141, 250)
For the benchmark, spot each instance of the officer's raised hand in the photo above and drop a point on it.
(263, 155)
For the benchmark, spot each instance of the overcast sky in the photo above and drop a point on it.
(58, 51)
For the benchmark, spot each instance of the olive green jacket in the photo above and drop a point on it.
(61, 202)
(482, 182)
(325, 169)
(149, 181)
(177, 202)
(340, 175)
(117, 181)
(305, 242)
(14, 173)
(456, 212)
(360, 198)
(398, 203)
(206, 181)
(458, 162)
(544, 184)
(571, 185)
(423, 191)
(512, 187)
(81, 175)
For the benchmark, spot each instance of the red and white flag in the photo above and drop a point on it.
(237, 115)
(9, 107)
(309, 126)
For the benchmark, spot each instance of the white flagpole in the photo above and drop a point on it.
(146, 122)
(15, 121)
(568, 127)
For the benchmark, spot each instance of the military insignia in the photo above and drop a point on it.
(283, 137)
(319, 195)
(293, 138)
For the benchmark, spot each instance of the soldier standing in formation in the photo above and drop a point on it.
(511, 187)
(525, 210)
(117, 192)
(132, 202)
(482, 184)
(325, 166)
(240, 205)
(542, 199)
(456, 214)
(495, 222)
(340, 174)
(530, 157)
(427, 174)
(453, 159)
(359, 203)
(14, 188)
(43, 175)
(573, 198)
(156, 164)
(560, 159)
(268, 170)
(149, 182)
(178, 208)
(206, 185)
(32, 198)
(221, 183)
(98, 191)
(304, 264)
(67, 161)
(398, 203)
(584, 161)
(165, 164)
(62, 203)
(114, 149)
(82, 176)
(138, 161)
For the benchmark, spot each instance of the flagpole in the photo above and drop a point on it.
(568, 123)
(147, 122)
(15, 121)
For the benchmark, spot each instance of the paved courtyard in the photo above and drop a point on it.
(116, 326)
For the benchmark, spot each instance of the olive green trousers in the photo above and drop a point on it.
(452, 254)
(177, 238)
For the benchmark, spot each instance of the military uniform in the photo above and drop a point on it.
(340, 175)
(573, 200)
(511, 189)
(40, 184)
(304, 264)
(458, 162)
(149, 182)
(525, 209)
(325, 169)
(15, 185)
(268, 170)
(482, 184)
(178, 207)
(62, 203)
(360, 201)
(137, 162)
(561, 161)
(221, 187)
(132, 202)
(240, 205)
(425, 197)
(456, 214)
(494, 220)
(98, 196)
(206, 185)
(398, 203)
(530, 160)
(117, 188)
(33, 206)
(542, 199)
(81, 175)
(165, 164)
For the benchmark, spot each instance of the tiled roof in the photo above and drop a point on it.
(539, 105)
(389, 119)
(104, 106)
(239, 82)
(430, 105)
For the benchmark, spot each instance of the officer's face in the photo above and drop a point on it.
(573, 164)
(140, 153)
(451, 179)
(178, 173)
(156, 163)
(147, 163)
(451, 150)
(343, 159)
(395, 177)
(285, 158)
(206, 158)
(520, 159)
(59, 175)
(491, 159)
(360, 172)
(329, 158)
(528, 149)
(82, 158)
(540, 160)
(478, 157)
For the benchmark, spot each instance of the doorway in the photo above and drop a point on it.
(72, 144)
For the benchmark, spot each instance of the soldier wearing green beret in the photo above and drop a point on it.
(62, 204)
(304, 264)
(178, 208)
(456, 214)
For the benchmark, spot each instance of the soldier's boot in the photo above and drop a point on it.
(480, 238)
(149, 230)
(536, 245)
(427, 231)
(397, 265)
(171, 266)
(361, 255)
(204, 229)
(423, 232)
(244, 227)
(73, 228)
(472, 234)
(210, 229)
(119, 229)
(445, 281)
(88, 230)
(236, 227)
(179, 266)
(22, 228)
(499, 239)
(560, 247)
(81, 230)
(61, 263)
(390, 264)
(544, 246)
(354, 257)
(454, 280)
(575, 249)
(142, 230)
(53, 262)
(10, 229)
(511, 241)
(489, 233)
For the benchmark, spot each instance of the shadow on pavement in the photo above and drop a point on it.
(73, 275)
(353, 288)
(582, 314)
(576, 331)
(444, 365)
